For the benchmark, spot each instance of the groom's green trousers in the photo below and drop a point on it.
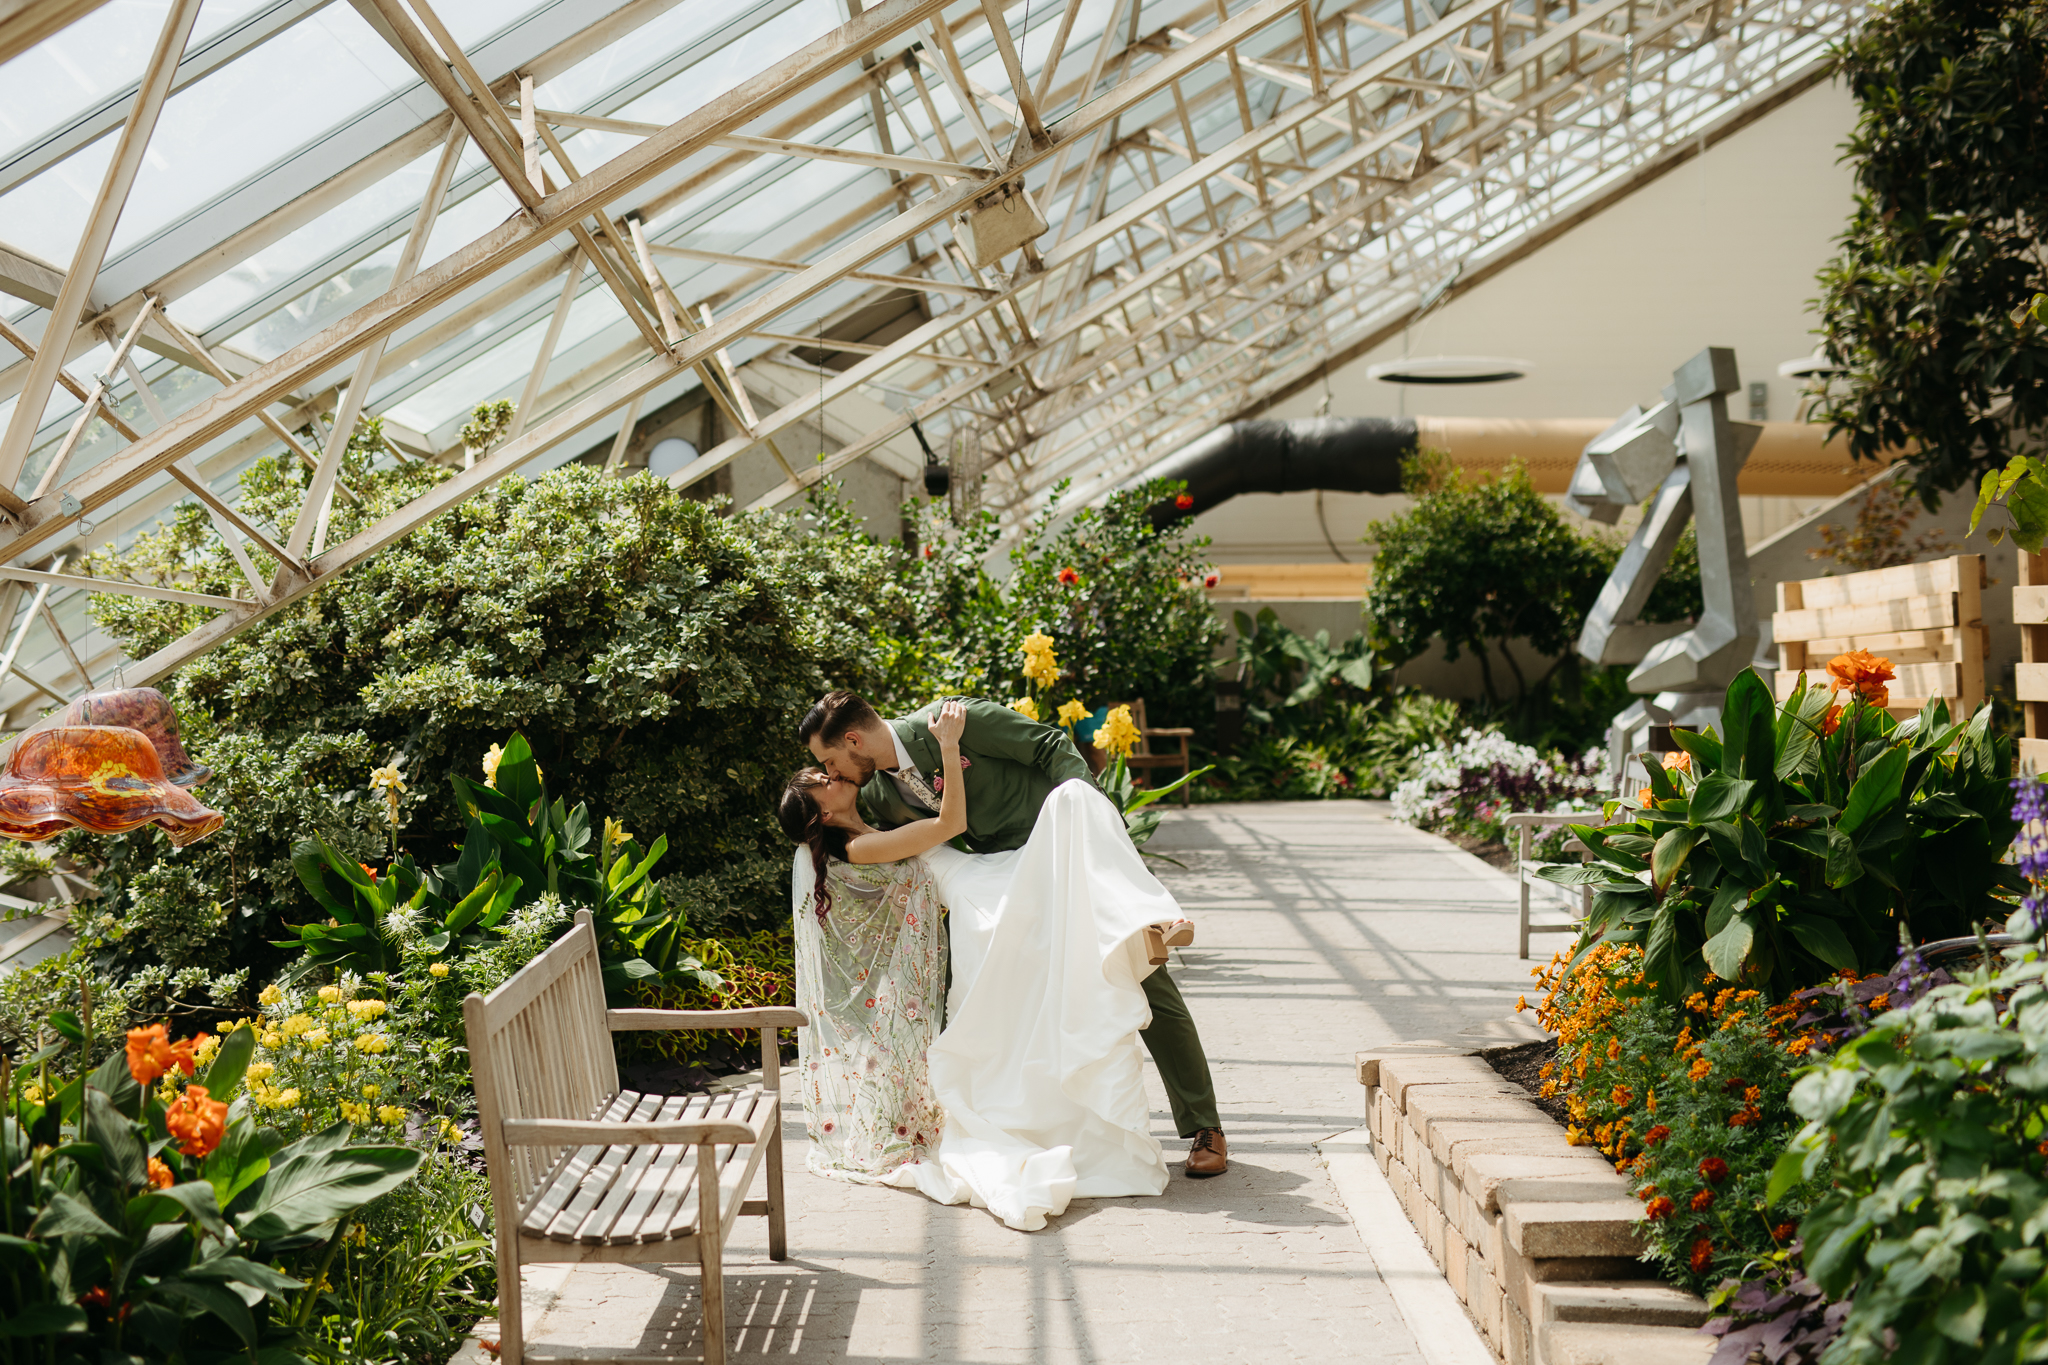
(1177, 1051)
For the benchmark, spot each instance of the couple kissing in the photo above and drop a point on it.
(1016, 1084)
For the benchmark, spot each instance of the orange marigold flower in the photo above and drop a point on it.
(1713, 1170)
(1622, 1096)
(1784, 1232)
(160, 1174)
(151, 1054)
(197, 1122)
(1700, 1069)
(1798, 1046)
(1752, 1095)
(1698, 1002)
(1659, 1208)
(1614, 1049)
(1702, 1256)
(1656, 1135)
(1742, 1118)
(1703, 1201)
(1863, 673)
(1647, 1192)
(1880, 1003)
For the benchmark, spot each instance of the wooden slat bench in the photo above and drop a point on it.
(584, 1171)
(1927, 618)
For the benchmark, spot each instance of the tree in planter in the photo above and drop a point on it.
(1931, 303)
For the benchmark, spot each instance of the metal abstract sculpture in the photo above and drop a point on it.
(110, 762)
(1681, 457)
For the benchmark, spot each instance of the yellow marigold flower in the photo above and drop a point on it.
(294, 1026)
(1025, 707)
(1700, 1070)
(272, 1039)
(1072, 713)
(281, 1099)
(493, 756)
(259, 1072)
(1119, 733)
(367, 1009)
(376, 1044)
(449, 1131)
(437, 970)
(314, 1039)
(390, 1113)
(203, 1051)
(271, 995)
(371, 1092)
(353, 1112)
(330, 995)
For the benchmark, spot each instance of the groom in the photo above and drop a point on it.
(1012, 764)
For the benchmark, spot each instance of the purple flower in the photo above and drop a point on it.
(2030, 809)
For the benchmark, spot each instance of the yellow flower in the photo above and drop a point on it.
(272, 1039)
(353, 1112)
(376, 1044)
(314, 1039)
(204, 1050)
(32, 1093)
(366, 1009)
(1041, 666)
(493, 756)
(1025, 707)
(272, 995)
(615, 832)
(280, 1099)
(1119, 733)
(371, 1092)
(390, 1113)
(437, 970)
(259, 1072)
(1071, 713)
(388, 779)
(297, 1024)
(330, 995)
(449, 1131)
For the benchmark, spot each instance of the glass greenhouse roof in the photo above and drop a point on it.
(417, 198)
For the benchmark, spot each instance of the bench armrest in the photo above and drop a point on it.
(1166, 731)
(599, 1133)
(771, 1016)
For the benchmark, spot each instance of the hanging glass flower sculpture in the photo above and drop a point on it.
(108, 779)
(137, 708)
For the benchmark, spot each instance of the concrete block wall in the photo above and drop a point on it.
(1539, 1239)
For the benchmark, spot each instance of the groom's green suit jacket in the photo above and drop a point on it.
(1013, 763)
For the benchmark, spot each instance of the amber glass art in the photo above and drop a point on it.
(105, 778)
(137, 708)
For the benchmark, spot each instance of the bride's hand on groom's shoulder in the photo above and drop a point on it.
(950, 723)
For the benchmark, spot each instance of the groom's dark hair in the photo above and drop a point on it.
(834, 715)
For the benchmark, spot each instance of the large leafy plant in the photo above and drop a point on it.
(138, 1223)
(1270, 656)
(1806, 840)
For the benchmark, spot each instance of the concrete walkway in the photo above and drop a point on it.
(1323, 928)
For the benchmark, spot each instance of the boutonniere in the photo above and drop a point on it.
(939, 780)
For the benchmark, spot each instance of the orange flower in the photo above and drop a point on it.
(1069, 577)
(197, 1122)
(1678, 761)
(1864, 674)
(1646, 798)
(1700, 1069)
(369, 872)
(1832, 721)
(1703, 1201)
(1622, 1096)
(1656, 1135)
(1702, 1256)
(1784, 1232)
(1742, 1118)
(151, 1054)
(160, 1174)
(1660, 1207)
(1713, 1170)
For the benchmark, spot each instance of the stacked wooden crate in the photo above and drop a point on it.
(2030, 678)
(1928, 619)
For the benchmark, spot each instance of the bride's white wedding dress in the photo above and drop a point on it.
(1037, 1071)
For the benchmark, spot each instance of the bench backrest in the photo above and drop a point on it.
(540, 1047)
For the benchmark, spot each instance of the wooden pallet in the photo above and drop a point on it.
(1928, 619)
(2030, 676)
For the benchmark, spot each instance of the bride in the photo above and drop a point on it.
(1032, 1095)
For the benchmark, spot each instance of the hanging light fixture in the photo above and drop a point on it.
(938, 480)
(1449, 369)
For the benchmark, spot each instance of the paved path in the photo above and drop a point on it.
(1323, 927)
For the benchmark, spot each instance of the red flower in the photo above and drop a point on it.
(1211, 580)
(1184, 502)
(1069, 577)
(369, 872)
(1702, 1256)
(1656, 1135)
(1713, 1170)
(927, 552)
(1702, 1201)
(1784, 1232)
(160, 1175)
(95, 1297)
(1660, 1207)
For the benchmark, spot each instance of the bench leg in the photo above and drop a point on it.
(511, 1308)
(711, 1254)
(778, 1237)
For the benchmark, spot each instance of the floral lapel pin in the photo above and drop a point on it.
(939, 780)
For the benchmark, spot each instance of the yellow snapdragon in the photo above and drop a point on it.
(1119, 733)
(1025, 707)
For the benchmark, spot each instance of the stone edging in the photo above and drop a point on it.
(1537, 1238)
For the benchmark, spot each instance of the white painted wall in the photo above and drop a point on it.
(1722, 251)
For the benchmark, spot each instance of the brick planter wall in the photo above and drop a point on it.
(1538, 1238)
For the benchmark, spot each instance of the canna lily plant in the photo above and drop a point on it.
(144, 1215)
(1807, 838)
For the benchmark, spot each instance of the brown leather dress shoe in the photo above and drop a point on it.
(1208, 1154)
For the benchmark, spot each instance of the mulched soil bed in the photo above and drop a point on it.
(1490, 851)
(1524, 1066)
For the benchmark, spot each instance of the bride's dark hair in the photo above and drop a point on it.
(803, 820)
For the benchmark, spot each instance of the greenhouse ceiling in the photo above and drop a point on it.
(230, 227)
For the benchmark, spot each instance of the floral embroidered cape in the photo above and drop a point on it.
(872, 978)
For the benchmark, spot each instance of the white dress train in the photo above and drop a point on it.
(1037, 1070)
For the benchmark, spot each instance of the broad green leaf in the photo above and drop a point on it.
(471, 907)
(1824, 939)
(45, 1320)
(1820, 1095)
(1718, 797)
(1670, 855)
(220, 1301)
(1660, 952)
(1960, 1315)
(1788, 1173)
(191, 1197)
(1151, 794)
(1748, 715)
(307, 1189)
(229, 1064)
(1843, 866)
(242, 1157)
(1589, 874)
(1729, 899)
(1727, 951)
(1877, 787)
(238, 1270)
(1704, 748)
(114, 1133)
(66, 1215)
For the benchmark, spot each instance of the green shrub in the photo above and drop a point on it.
(1930, 1130)
(1805, 843)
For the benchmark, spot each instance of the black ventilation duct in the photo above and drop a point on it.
(1340, 454)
